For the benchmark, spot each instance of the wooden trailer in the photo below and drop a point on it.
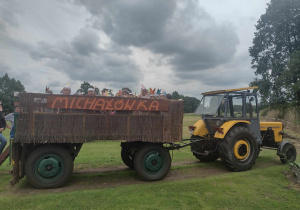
(51, 129)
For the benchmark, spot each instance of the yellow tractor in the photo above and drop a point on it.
(230, 129)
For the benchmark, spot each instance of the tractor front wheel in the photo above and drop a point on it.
(288, 153)
(239, 150)
(152, 162)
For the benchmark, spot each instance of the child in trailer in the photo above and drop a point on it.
(144, 93)
(91, 92)
(126, 92)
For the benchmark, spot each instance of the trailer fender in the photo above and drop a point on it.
(221, 133)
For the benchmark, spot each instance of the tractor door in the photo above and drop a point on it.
(252, 115)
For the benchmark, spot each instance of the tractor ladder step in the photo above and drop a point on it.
(4, 155)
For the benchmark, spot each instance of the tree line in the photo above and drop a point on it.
(276, 54)
(9, 85)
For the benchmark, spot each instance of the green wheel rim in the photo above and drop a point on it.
(49, 166)
(153, 162)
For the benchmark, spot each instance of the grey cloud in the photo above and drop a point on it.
(86, 42)
(237, 73)
(55, 84)
(8, 20)
(7, 14)
(4, 69)
(180, 31)
(131, 22)
(82, 59)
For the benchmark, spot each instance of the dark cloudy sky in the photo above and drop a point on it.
(183, 45)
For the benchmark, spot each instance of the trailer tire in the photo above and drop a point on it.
(152, 162)
(238, 150)
(127, 158)
(289, 153)
(49, 166)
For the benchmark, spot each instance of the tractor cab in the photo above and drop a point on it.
(230, 129)
(220, 110)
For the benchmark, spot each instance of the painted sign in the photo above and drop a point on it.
(106, 103)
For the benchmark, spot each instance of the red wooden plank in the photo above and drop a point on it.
(106, 103)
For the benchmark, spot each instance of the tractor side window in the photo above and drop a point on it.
(235, 105)
(251, 107)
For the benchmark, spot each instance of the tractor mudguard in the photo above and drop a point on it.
(227, 126)
(200, 129)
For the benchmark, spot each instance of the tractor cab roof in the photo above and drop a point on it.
(229, 90)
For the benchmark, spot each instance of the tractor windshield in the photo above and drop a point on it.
(210, 104)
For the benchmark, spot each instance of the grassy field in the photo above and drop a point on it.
(189, 185)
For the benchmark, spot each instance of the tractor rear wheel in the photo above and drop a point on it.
(49, 167)
(238, 150)
(205, 150)
(210, 157)
(152, 162)
(288, 152)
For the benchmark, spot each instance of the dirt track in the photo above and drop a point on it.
(110, 177)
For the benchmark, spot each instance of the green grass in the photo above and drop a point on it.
(260, 189)
(263, 187)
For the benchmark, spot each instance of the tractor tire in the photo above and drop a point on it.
(207, 149)
(289, 153)
(127, 158)
(210, 157)
(49, 167)
(239, 149)
(152, 162)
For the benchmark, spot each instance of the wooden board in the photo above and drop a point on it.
(78, 119)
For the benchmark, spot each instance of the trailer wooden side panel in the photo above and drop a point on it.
(51, 119)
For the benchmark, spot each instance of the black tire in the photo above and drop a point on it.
(239, 149)
(210, 157)
(207, 148)
(289, 153)
(49, 167)
(152, 162)
(127, 158)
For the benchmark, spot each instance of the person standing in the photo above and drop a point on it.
(3, 140)
(10, 117)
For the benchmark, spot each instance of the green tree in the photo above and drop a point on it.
(291, 78)
(84, 88)
(190, 104)
(175, 95)
(7, 88)
(276, 38)
(107, 90)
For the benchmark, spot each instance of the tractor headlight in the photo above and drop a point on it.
(191, 129)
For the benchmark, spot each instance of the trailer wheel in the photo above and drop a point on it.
(288, 152)
(49, 167)
(238, 150)
(152, 162)
(127, 158)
